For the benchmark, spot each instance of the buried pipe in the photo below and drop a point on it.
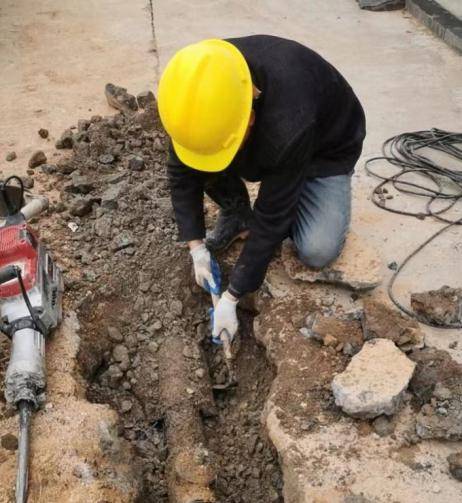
(190, 466)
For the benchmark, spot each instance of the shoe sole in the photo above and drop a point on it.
(242, 236)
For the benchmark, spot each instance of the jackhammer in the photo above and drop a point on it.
(31, 289)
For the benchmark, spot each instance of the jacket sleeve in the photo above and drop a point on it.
(274, 212)
(187, 192)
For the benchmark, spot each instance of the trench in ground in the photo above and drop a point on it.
(248, 468)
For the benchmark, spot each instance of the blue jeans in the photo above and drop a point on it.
(323, 219)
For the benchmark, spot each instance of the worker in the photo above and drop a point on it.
(263, 109)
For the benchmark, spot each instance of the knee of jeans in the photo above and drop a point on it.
(318, 252)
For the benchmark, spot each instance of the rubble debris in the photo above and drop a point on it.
(381, 5)
(81, 206)
(43, 133)
(37, 159)
(439, 307)
(10, 156)
(136, 163)
(48, 169)
(381, 321)
(344, 335)
(146, 100)
(66, 140)
(442, 417)
(374, 381)
(79, 184)
(455, 465)
(358, 266)
(119, 98)
(433, 366)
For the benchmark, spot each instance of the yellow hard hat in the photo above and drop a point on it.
(205, 100)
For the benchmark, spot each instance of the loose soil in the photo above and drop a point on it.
(113, 232)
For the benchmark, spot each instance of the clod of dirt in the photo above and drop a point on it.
(380, 321)
(343, 335)
(37, 159)
(43, 133)
(358, 267)
(374, 381)
(119, 98)
(455, 465)
(9, 442)
(434, 367)
(10, 156)
(439, 307)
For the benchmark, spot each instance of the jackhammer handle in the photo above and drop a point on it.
(34, 207)
(7, 274)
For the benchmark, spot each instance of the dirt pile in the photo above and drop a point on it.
(112, 229)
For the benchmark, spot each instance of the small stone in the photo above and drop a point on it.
(106, 158)
(9, 442)
(28, 182)
(176, 307)
(126, 406)
(49, 169)
(330, 340)
(123, 240)
(118, 98)
(383, 426)
(455, 465)
(43, 133)
(10, 156)
(374, 381)
(37, 159)
(146, 99)
(110, 197)
(80, 206)
(114, 334)
(393, 266)
(136, 163)
(200, 373)
(79, 184)
(66, 140)
(120, 355)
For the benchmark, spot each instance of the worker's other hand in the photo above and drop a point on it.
(225, 316)
(206, 270)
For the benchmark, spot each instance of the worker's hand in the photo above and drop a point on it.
(225, 317)
(206, 270)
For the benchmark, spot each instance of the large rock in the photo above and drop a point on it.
(439, 307)
(381, 321)
(358, 266)
(374, 381)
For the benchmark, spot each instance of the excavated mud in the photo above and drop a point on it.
(131, 284)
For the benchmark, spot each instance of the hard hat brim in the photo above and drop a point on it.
(220, 160)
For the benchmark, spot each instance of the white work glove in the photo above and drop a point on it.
(225, 317)
(202, 262)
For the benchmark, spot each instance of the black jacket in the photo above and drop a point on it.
(308, 123)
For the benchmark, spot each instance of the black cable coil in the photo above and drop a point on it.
(405, 152)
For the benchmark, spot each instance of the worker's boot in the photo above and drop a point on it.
(235, 214)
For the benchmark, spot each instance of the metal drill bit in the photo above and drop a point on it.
(23, 451)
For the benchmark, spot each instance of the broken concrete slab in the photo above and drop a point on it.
(119, 98)
(358, 267)
(381, 321)
(439, 307)
(374, 381)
